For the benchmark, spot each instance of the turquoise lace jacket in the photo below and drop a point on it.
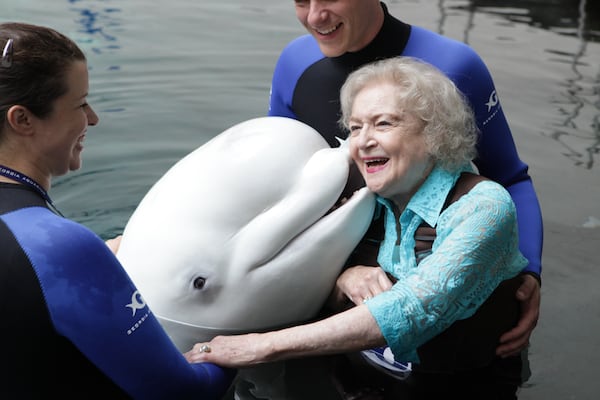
(476, 248)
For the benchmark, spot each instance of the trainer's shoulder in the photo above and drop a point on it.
(303, 49)
(426, 42)
(67, 233)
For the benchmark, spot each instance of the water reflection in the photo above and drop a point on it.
(560, 16)
(577, 124)
(581, 96)
(99, 25)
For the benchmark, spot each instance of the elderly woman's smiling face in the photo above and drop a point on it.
(387, 143)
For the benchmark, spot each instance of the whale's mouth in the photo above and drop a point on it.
(184, 335)
(213, 330)
(355, 182)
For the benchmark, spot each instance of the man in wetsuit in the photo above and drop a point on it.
(346, 34)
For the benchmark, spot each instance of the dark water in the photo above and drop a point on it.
(168, 76)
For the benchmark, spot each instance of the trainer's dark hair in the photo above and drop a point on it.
(33, 67)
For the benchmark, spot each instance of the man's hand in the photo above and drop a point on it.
(517, 339)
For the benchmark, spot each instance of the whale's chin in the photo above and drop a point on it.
(185, 335)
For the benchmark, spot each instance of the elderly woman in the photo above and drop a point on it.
(74, 325)
(412, 136)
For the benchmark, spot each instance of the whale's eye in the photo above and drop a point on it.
(199, 283)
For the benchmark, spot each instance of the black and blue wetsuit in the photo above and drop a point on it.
(74, 325)
(302, 70)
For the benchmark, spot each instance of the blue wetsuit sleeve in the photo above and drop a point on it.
(498, 158)
(93, 303)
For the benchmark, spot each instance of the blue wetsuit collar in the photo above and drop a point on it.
(381, 46)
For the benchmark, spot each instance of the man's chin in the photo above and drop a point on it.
(330, 50)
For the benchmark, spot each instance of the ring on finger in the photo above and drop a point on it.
(205, 349)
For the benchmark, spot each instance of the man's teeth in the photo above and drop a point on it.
(328, 31)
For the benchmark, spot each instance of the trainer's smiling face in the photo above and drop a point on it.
(340, 26)
(387, 143)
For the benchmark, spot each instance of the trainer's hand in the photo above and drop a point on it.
(517, 339)
(114, 243)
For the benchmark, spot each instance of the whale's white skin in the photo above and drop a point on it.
(233, 239)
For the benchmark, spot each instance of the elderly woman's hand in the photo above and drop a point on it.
(228, 351)
(360, 283)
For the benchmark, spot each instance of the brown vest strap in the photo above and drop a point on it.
(425, 234)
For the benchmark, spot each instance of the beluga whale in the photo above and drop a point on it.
(245, 233)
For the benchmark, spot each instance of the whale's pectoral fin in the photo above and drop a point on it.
(316, 190)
